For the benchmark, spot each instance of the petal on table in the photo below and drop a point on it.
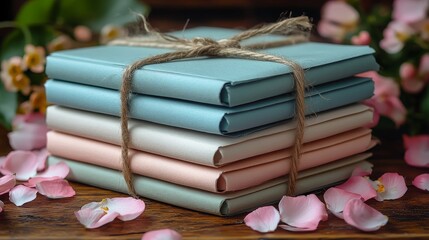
(94, 218)
(7, 182)
(60, 170)
(336, 199)
(422, 181)
(32, 182)
(264, 219)
(390, 186)
(362, 170)
(21, 194)
(42, 156)
(58, 188)
(302, 211)
(162, 234)
(363, 217)
(22, 163)
(359, 185)
(128, 208)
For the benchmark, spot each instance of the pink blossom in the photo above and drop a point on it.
(390, 186)
(162, 234)
(395, 35)
(362, 216)
(413, 80)
(386, 100)
(34, 58)
(359, 185)
(82, 33)
(410, 11)
(422, 181)
(29, 132)
(417, 150)
(362, 39)
(302, 213)
(338, 19)
(97, 214)
(264, 219)
(21, 194)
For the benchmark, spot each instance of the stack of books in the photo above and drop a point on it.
(210, 134)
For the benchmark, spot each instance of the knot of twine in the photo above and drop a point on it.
(296, 29)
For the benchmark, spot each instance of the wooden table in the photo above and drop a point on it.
(54, 219)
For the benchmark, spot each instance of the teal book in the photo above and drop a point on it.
(209, 118)
(219, 81)
(218, 204)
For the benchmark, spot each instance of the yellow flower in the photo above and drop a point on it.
(38, 99)
(60, 43)
(12, 75)
(34, 58)
(110, 32)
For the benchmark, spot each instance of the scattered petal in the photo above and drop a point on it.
(362, 171)
(417, 150)
(264, 219)
(21, 194)
(60, 170)
(128, 208)
(359, 185)
(57, 188)
(363, 217)
(422, 181)
(32, 182)
(42, 156)
(162, 234)
(22, 163)
(94, 218)
(303, 212)
(336, 199)
(390, 186)
(96, 214)
(7, 182)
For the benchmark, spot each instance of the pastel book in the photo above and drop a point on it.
(219, 81)
(228, 178)
(202, 148)
(214, 203)
(234, 121)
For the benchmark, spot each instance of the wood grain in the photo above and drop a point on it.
(54, 219)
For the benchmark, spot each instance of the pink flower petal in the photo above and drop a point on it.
(264, 219)
(128, 208)
(363, 217)
(21, 194)
(58, 188)
(60, 170)
(29, 132)
(1, 205)
(359, 185)
(7, 182)
(409, 80)
(22, 163)
(339, 12)
(336, 199)
(422, 181)
(42, 156)
(162, 234)
(410, 11)
(390, 186)
(362, 170)
(32, 182)
(417, 150)
(94, 218)
(295, 229)
(302, 211)
(362, 39)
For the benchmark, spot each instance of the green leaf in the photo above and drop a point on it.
(36, 12)
(8, 105)
(425, 105)
(97, 13)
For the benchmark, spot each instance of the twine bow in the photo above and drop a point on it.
(297, 30)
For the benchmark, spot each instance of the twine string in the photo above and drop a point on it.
(297, 29)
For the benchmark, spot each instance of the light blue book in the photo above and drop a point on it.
(218, 81)
(209, 118)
